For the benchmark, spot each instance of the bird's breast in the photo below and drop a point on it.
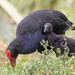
(32, 41)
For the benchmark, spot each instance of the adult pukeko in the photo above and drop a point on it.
(30, 32)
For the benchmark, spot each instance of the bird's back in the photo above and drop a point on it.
(35, 21)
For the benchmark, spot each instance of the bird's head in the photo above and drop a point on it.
(48, 28)
(13, 50)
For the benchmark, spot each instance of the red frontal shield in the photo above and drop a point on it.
(12, 60)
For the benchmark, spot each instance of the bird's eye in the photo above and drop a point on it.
(48, 29)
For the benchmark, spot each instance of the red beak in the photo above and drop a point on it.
(12, 60)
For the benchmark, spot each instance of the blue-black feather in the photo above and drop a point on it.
(32, 42)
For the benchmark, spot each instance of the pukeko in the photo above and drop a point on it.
(29, 32)
(58, 41)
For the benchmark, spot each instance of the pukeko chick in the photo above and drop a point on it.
(29, 32)
(58, 41)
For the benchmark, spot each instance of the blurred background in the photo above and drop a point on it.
(12, 11)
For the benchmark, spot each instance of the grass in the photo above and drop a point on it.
(39, 64)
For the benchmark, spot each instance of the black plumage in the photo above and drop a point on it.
(35, 21)
(30, 31)
(58, 41)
